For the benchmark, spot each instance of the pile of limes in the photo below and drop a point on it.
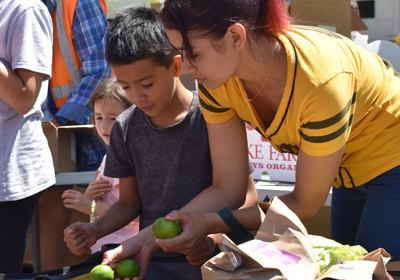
(101, 272)
(129, 268)
(126, 268)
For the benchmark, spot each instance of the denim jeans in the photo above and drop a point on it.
(369, 215)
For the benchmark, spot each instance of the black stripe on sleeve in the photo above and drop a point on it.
(211, 108)
(331, 121)
(207, 94)
(329, 137)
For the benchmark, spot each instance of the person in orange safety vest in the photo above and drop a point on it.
(79, 28)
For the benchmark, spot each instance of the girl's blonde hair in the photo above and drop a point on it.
(109, 89)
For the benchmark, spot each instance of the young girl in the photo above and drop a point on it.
(107, 101)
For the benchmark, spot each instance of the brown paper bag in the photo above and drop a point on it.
(371, 266)
(281, 250)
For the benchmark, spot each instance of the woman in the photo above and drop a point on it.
(308, 91)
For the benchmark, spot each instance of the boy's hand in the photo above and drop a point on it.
(140, 248)
(201, 253)
(97, 189)
(73, 199)
(79, 237)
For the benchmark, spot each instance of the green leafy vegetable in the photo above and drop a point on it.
(330, 252)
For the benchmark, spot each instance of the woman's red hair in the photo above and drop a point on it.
(278, 19)
(212, 18)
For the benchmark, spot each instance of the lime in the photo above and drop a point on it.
(101, 272)
(127, 268)
(163, 228)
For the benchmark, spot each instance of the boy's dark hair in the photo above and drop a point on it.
(136, 34)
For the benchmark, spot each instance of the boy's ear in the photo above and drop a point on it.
(176, 65)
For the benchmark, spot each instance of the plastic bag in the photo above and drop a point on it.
(330, 252)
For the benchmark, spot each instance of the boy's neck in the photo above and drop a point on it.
(178, 108)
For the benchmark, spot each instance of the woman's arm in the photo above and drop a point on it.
(203, 252)
(231, 186)
(251, 195)
(229, 155)
(314, 179)
(19, 89)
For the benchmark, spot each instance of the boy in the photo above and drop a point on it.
(159, 149)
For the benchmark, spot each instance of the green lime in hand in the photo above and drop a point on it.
(127, 268)
(101, 272)
(163, 228)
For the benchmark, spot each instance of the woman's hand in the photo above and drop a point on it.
(194, 232)
(73, 199)
(97, 189)
(196, 226)
(140, 248)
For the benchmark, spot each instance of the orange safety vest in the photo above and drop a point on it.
(66, 63)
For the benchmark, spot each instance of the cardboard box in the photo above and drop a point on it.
(335, 15)
(269, 164)
(62, 143)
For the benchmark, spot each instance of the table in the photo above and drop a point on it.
(272, 189)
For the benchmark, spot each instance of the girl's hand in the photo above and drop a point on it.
(73, 199)
(97, 189)
(194, 232)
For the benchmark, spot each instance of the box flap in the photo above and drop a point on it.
(356, 22)
(88, 127)
(51, 133)
(48, 125)
(62, 143)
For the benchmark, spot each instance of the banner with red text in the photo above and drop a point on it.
(268, 161)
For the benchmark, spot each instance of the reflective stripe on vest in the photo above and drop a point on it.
(64, 90)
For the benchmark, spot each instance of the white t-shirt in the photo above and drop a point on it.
(26, 166)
